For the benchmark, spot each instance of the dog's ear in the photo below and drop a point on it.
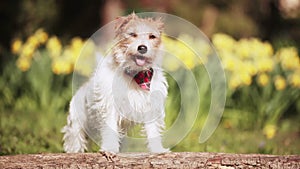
(160, 24)
(132, 15)
(122, 21)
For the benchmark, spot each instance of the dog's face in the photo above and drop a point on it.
(138, 43)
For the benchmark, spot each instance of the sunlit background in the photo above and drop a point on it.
(258, 43)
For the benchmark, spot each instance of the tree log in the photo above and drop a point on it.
(148, 160)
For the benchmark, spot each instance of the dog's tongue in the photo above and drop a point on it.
(140, 61)
(143, 78)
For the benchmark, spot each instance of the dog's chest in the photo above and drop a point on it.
(124, 95)
(138, 106)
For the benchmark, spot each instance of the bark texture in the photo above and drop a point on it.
(148, 160)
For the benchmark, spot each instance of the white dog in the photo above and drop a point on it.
(127, 86)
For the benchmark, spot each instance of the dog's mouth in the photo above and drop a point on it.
(141, 72)
(140, 60)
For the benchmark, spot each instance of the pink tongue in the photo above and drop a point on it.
(140, 62)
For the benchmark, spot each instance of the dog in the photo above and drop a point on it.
(128, 87)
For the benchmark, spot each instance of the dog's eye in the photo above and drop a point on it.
(152, 36)
(133, 34)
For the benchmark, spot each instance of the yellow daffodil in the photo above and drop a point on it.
(54, 47)
(32, 41)
(76, 46)
(41, 36)
(223, 42)
(86, 62)
(243, 49)
(246, 78)
(294, 79)
(263, 79)
(279, 83)
(88, 49)
(23, 63)
(260, 49)
(250, 68)
(171, 63)
(269, 131)
(268, 49)
(16, 46)
(76, 42)
(265, 65)
(180, 50)
(27, 50)
(288, 57)
(228, 60)
(61, 66)
(234, 81)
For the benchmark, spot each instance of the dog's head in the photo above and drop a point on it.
(138, 43)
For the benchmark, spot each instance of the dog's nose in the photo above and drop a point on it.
(142, 49)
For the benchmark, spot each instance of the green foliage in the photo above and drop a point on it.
(258, 115)
(33, 107)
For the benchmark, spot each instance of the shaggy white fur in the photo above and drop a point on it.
(111, 98)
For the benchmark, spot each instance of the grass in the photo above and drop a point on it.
(234, 140)
(31, 132)
(39, 132)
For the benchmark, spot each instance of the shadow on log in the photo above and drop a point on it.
(148, 160)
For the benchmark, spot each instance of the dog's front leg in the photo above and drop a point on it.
(110, 134)
(153, 131)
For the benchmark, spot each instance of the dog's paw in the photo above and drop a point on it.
(108, 155)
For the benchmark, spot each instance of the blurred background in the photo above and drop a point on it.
(258, 42)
